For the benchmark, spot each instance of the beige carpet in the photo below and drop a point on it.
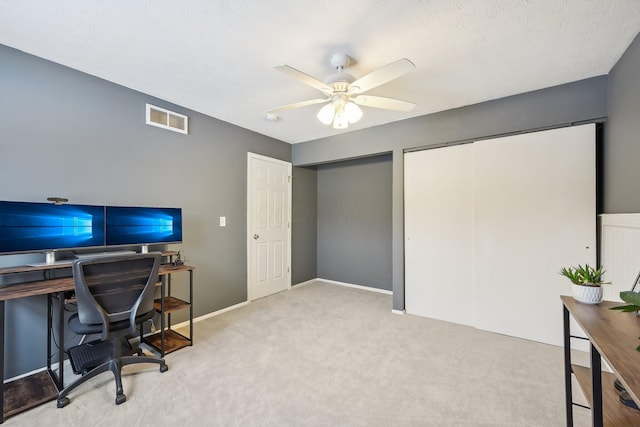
(328, 355)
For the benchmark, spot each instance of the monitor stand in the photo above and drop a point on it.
(50, 257)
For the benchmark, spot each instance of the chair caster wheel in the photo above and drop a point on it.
(164, 368)
(63, 402)
(121, 398)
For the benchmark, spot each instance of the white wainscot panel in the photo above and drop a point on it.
(620, 252)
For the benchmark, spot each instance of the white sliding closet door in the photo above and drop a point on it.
(439, 233)
(535, 213)
(488, 226)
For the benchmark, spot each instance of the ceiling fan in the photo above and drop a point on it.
(344, 93)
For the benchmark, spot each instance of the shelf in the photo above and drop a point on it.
(167, 304)
(172, 341)
(171, 304)
(28, 392)
(615, 413)
(166, 269)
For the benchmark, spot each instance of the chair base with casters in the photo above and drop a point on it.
(114, 294)
(94, 358)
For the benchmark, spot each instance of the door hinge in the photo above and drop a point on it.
(287, 269)
(289, 178)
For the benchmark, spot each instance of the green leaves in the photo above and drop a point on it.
(626, 308)
(584, 275)
(630, 297)
(633, 302)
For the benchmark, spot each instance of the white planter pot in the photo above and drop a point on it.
(587, 294)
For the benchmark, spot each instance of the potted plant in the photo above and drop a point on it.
(586, 282)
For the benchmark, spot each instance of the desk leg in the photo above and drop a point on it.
(596, 387)
(162, 285)
(58, 379)
(49, 332)
(168, 276)
(1, 361)
(568, 393)
(191, 306)
(61, 340)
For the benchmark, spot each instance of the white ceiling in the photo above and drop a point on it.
(217, 56)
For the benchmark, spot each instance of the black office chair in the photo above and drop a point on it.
(114, 294)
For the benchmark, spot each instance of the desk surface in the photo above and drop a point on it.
(48, 286)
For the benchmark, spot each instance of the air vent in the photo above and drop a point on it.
(166, 119)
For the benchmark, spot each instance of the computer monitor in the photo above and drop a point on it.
(127, 225)
(36, 227)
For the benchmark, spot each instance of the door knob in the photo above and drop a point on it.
(256, 237)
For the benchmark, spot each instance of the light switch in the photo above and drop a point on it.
(223, 221)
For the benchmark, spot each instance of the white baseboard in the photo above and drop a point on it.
(26, 374)
(308, 282)
(54, 367)
(209, 315)
(400, 312)
(351, 285)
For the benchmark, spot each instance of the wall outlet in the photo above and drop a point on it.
(223, 221)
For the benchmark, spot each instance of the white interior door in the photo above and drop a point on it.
(439, 233)
(535, 213)
(268, 226)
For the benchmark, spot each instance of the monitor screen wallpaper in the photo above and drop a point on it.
(143, 225)
(28, 227)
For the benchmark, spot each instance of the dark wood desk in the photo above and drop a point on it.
(614, 337)
(44, 386)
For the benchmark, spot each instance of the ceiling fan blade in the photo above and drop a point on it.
(298, 105)
(305, 78)
(381, 76)
(382, 102)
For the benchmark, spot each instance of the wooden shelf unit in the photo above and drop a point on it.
(614, 337)
(167, 340)
(172, 341)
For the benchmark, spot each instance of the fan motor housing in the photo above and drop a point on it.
(339, 82)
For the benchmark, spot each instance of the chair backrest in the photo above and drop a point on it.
(115, 288)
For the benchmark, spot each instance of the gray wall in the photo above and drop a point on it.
(304, 225)
(622, 135)
(354, 221)
(65, 133)
(584, 100)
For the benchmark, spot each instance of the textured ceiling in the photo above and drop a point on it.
(217, 57)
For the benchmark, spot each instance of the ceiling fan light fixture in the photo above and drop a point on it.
(326, 113)
(343, 92)
(354, 113)
(341, 120)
